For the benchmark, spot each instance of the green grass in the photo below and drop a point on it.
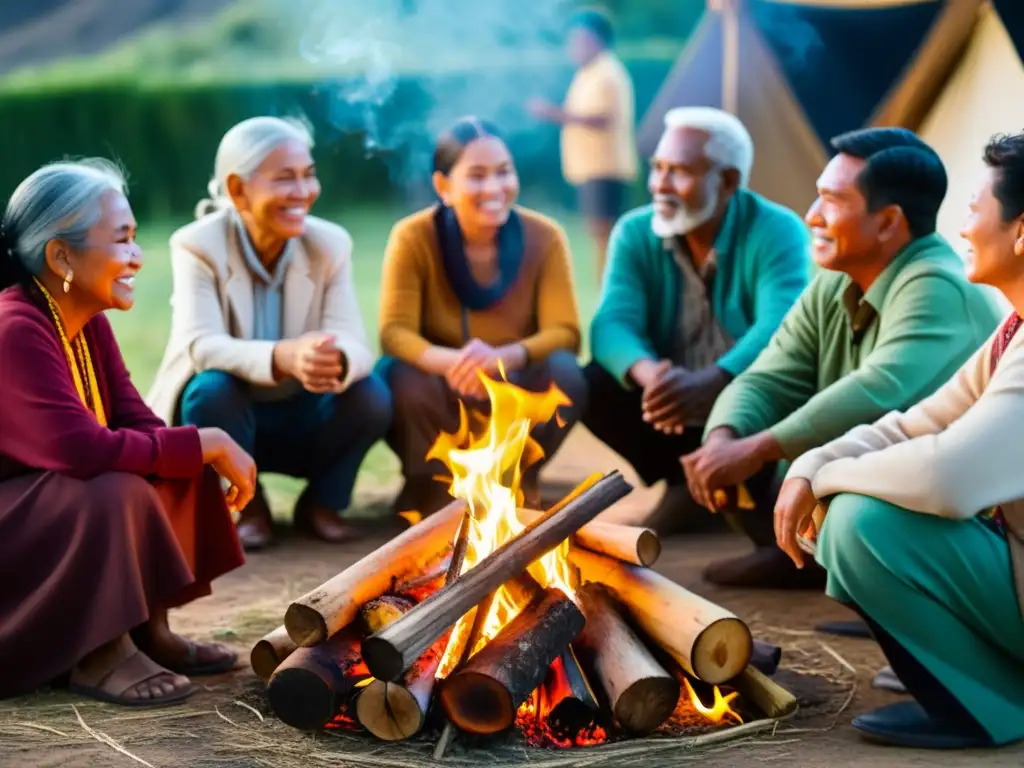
(142, 333)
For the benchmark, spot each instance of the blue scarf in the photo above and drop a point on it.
(471, 294)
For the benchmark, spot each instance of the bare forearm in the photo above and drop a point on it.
(438, 360)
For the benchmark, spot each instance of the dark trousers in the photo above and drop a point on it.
(932, 695)
(322, 438)
(614, 417)
(425, 406)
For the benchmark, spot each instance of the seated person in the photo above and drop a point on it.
(887, 321)
(698, 282)
(468, 284)
(108, 518)
(924, 514)
(267, 342)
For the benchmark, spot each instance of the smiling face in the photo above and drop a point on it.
(482, 186)
(844, 231)
(996, 246)
(275, 200)
(686, 188)
(104, 269)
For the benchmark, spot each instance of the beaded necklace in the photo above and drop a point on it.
(79, 361)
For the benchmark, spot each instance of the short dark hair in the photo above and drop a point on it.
(1004, 153)
(900, 169)
(453, 142)
(596, 22)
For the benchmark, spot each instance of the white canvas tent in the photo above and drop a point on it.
(969, 88)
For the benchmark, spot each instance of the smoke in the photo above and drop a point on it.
(796, 40)
(400, 71)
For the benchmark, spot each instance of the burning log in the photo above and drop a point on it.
(642, 694)
(567, 698)
(310, 686)
(269, 652)
(396, 711)
(334, 604)
(629, 543)
(483, 696)
(383, 610)
(709, 642)
(392, 650)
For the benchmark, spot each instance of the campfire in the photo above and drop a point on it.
(487, 616)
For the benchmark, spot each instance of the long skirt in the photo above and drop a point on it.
(84, 561)
(944, 591)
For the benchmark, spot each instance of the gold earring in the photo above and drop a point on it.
(67, 280)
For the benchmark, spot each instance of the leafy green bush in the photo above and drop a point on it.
(371, 146)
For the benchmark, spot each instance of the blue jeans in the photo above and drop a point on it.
(323, 438)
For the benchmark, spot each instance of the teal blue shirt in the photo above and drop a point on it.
(763, 264)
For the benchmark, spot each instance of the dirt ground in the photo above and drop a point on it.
(227, 724)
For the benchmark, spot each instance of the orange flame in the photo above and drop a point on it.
(718, 711)
(486, 468)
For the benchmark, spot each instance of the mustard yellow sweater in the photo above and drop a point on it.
(418, 308)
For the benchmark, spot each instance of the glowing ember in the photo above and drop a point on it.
(717, 712)
(486, 467)
(538, 730)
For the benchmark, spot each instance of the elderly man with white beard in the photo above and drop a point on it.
(697, 283)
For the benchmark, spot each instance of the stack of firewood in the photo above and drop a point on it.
(372, 638)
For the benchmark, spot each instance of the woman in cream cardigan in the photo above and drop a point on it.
(267, 342)
(923, 528)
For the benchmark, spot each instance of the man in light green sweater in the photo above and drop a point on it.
(889, 319)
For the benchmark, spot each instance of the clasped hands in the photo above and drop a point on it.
(312, 359)
(672, 394)
(463, 375)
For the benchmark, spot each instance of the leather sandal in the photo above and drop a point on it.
(191, 666)
(127, 675)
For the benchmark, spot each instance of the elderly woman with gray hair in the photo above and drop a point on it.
(108, 518)
(267, 341)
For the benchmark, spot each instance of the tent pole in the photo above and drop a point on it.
(730, 54)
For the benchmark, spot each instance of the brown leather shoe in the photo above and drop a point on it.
(255, 526)
(321, 522)
(765, 568)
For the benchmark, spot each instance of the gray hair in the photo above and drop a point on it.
(243, 150)
(60, 201)
(730, 145)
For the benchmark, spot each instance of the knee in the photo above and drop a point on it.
(565, 373)
(854, 527)
(210, 396)
(410, 388)
(369, 399)
(127, 495)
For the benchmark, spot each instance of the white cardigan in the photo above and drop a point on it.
(954, 454)
(212, 306)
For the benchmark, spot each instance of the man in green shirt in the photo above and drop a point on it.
(697, 283)
(888, 321)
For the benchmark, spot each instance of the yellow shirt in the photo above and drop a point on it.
(602, 87)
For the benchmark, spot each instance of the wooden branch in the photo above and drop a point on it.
(641, 693)
(269, 652)
(765, 694)
(483, 696)
(629, 543)
(383, 610)
(707, 641)
(309, 688)
(392, 650)
(334, 604)
(567, 698)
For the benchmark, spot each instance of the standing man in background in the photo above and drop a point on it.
(598, 145)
